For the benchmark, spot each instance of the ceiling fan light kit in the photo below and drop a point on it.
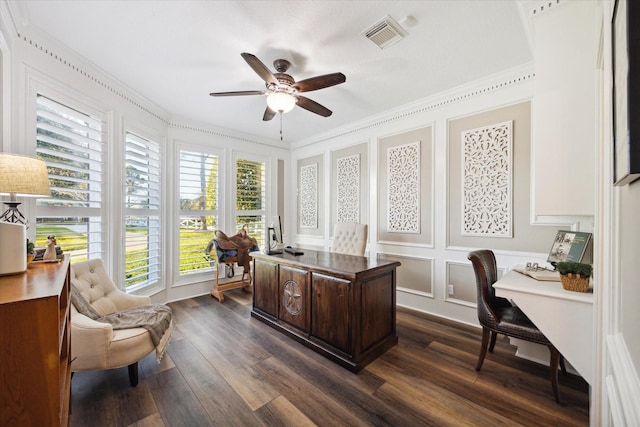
(281, 102)
(283, 92)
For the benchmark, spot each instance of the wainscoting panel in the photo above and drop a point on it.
(415, 275)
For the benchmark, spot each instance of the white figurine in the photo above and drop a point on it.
(50, 252)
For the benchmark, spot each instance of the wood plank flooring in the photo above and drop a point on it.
(224, 368)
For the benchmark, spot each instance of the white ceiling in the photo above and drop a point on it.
(176, 52)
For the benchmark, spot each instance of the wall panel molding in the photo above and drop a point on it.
(415, 269)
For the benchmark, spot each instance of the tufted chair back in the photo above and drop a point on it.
(349, 238)
(95, 285)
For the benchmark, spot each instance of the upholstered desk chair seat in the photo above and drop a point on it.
(497, 316)
(349, 238)
(96, 345)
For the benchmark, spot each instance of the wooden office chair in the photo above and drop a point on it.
(497, 316)
(349, 238)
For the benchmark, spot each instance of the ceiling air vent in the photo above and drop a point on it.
(384, 33)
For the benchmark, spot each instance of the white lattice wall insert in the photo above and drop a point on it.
(348, 191)
(403, 163)
(487, 181)
(309, 196)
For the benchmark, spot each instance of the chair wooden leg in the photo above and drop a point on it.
(483, 347)
(494, 335)
(553, 365)
(133, 374)
(562, 365)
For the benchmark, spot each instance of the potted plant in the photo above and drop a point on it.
(30, 251)
(574, 275)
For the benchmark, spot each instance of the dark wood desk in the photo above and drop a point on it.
(342, 306)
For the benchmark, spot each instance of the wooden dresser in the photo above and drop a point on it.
(35, 365)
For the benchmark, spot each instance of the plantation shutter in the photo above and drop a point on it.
(142, 211)
(71, 143)
(251, 197)
(198, 208)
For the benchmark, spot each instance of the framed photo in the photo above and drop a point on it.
(625, 40)
(570, 246)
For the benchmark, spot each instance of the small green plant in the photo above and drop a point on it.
(30, 247)
(567, 267)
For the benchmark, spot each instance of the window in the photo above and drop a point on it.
(142, 211)
(71, 143)
(198, 208)
(251, 197)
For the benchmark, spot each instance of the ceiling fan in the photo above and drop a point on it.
(283, 92)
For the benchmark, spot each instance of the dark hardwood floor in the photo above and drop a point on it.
(225, 368)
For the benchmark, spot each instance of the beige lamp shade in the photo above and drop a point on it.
(23, 176)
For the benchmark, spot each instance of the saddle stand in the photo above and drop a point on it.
(230, 251)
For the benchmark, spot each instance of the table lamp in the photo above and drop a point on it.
(25, 177)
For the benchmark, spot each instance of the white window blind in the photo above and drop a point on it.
(142, 211)
(251, 197)
(198, 208)
(71, 143)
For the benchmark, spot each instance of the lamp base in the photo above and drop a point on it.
(13, 250)
(12, 214)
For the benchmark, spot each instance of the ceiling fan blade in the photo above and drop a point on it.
(320, 82)
(238, 93)
(260, 69)
(268, 114)
(313, 106)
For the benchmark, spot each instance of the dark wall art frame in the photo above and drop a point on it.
(626, 91)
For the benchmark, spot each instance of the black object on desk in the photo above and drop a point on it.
(293, 251)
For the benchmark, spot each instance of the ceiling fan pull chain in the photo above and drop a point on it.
(281, 139)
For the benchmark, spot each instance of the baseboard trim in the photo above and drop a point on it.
(622, 384)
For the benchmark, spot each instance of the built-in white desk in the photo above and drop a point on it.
(565, 317)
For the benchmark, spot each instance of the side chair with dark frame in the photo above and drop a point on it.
(498, 316)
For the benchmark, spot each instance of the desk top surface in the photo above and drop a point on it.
(514, 281)
(340, 263)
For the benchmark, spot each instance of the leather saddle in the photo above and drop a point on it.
(239, 245)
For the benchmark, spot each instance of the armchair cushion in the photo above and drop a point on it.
(95, 285)
(97, 344)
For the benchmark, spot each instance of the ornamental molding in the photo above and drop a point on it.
(487, 181)
(403, 186)
(348, 189)
(309, 196)
(292, 297)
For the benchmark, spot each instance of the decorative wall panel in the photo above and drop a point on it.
(487, 181)
(309, 196)
(403, 172)
(348, 193)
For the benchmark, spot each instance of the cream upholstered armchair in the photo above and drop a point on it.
(98, 345)
(349, 238)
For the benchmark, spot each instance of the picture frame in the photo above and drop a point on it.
(625, 40)
(570, 246)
